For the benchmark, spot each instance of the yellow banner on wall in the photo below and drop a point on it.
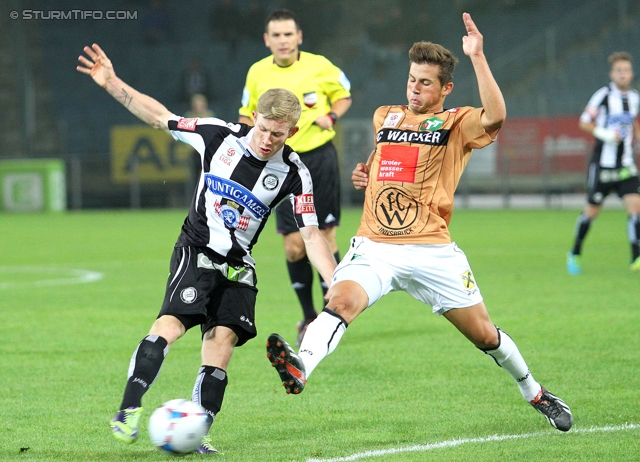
(158, 156)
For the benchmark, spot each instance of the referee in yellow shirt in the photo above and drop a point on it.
(323, 90)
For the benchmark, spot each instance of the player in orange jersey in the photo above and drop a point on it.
(403, 242)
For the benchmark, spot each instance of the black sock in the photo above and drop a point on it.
(634, 236)
(582, 228)
(208, 390)
(301, 275)
(324, 284)
(146, 361)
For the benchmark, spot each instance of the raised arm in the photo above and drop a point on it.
(99, 67)
(495, 109)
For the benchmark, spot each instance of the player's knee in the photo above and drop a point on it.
(487, 338)
(168, 327)
(591, 212)
(343, 307)
(346, 304)
(294, 254)
(294, 248)
(220, 336)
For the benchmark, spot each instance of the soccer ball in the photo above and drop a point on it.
(178, 426)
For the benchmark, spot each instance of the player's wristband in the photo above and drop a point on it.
(333, 116)
(605, 134)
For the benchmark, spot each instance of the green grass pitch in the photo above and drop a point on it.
(401, 378)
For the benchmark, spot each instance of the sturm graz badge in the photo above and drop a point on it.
(395, 211)
(270, 182)
(189, 295)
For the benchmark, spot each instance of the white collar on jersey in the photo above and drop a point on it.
(245, 146)
(615, 90)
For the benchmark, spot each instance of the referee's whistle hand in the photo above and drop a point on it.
(324, 122)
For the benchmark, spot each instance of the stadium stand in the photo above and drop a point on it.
(548, 58)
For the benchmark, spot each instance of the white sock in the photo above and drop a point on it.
(509, 358)
(321, 338)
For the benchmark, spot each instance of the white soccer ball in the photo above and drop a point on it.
(178, 426)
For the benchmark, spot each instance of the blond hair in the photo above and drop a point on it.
(434, 55)
(619, 56)
(281, 105)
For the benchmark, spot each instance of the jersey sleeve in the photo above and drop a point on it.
(249, 101)
(198, 132)
(474, 135)
(378, 117)
(301, 196)
(590, 112)
(334, 82)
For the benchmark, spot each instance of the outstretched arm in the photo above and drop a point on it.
(319, 252)
(99, 67)
(495, 110)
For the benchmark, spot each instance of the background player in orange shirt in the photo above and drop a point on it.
(403, 242)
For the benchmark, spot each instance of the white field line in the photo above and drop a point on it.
(47, 276)
(459, 442)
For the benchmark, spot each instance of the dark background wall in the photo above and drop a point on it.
(547, 56)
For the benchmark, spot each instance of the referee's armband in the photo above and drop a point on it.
(333, 116)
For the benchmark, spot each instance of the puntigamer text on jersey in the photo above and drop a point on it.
(234, 191)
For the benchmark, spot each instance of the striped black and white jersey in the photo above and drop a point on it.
(237, 191)
(613, 109)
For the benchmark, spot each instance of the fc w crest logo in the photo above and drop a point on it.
(395, 209)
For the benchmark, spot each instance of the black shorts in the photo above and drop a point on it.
(203, 291)
(322, 163)
(603, 181)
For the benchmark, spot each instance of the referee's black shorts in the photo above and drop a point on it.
(322, 163)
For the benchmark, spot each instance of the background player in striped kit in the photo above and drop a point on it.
(323, 91)
(403, 242)
(246, 171)
(611, 116)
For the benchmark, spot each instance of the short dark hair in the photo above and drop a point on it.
(282, 14)
(435, 55)
(619, 56)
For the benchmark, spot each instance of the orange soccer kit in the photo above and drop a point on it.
(415, 170)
